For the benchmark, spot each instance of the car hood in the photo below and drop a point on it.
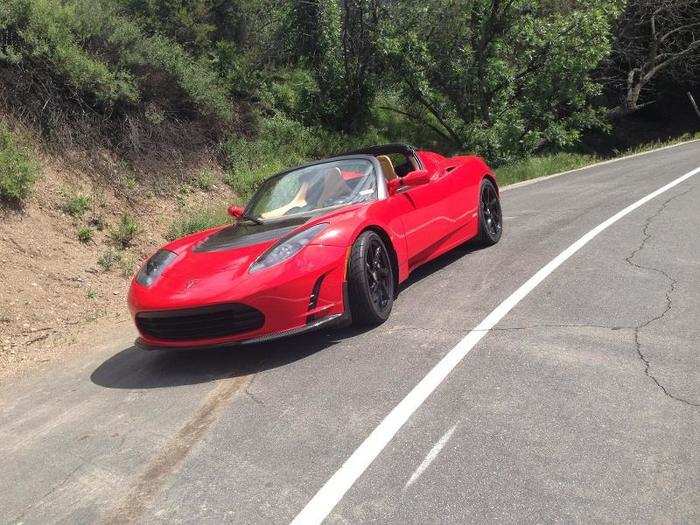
(229, 249)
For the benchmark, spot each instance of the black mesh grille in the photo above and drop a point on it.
(200, 323)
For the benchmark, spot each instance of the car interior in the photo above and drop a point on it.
(396, 165)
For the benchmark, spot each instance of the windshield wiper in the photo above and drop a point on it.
(254, 220)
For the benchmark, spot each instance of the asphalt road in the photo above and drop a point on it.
(581, 405)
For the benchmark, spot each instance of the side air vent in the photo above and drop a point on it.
(313, 298)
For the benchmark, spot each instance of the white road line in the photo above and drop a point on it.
(431, 456)
(318, 508)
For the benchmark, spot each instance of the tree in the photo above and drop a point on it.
(347, 61)
(654, 38)
(503, 77)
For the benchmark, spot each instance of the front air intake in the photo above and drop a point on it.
(208, 322)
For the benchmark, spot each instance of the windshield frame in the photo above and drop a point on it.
(380, 182)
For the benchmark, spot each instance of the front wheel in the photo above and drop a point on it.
(370, 280)
(490, 215)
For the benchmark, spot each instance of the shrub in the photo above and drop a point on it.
(84, 235)
(126, 263)
(108, 259)
(205, 180)
(18, 171)
(194, 221)
(125, 231)
(92, 46)
(541, 166)
(76, 205)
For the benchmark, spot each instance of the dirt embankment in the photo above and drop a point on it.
(58, 291)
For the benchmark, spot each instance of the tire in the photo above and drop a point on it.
(490, 214)
(370, 280)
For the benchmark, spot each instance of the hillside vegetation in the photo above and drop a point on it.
(261, 84)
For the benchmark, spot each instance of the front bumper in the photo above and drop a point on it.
(294, 298)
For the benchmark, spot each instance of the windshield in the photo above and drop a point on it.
(313, 188)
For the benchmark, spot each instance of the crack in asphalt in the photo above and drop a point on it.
(524, 327)
(250, 394)
(669, 301)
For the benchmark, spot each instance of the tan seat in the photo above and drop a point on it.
(387, 167)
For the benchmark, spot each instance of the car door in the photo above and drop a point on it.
(427, 219)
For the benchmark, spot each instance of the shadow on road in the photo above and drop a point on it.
(133, 368)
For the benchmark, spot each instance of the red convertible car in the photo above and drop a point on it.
(325, 243)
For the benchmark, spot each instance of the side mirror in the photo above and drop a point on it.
(235, 211)
(416, 178)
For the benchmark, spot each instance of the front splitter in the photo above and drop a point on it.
(324, 322)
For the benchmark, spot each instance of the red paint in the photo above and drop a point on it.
(434, 213)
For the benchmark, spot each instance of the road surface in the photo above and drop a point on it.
(581, 404)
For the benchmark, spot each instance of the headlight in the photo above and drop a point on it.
(154, 266)
(287, 248)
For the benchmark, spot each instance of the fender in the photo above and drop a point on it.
(383, 216)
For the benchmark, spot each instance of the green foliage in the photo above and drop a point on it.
(541, 166)
(205, 180)
(197, 220)
(18, 171)
(346, 58)
(126, 263)
(292, 80)
(93, 48)
(125, 231)
(502, 81)
(281, 143)
(84, 234)
(75, 205)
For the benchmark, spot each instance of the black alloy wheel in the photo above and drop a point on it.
(370, 280)
(490, 215)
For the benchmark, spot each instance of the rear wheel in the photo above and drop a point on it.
(370, 280)
(490, 216)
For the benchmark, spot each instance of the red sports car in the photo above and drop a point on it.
(322, 244)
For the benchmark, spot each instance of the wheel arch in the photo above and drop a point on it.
(490, 176)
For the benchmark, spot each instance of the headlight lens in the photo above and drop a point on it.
(154, 266)
(287, 248)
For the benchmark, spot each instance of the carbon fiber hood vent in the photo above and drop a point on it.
(246, 234)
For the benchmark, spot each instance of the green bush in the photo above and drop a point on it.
(76, 205)
(541, 166)
(126, 263)
(125, 231)
(18, 171)
(205, 180)
(194, 221)
(93, 47)
(84, 235)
